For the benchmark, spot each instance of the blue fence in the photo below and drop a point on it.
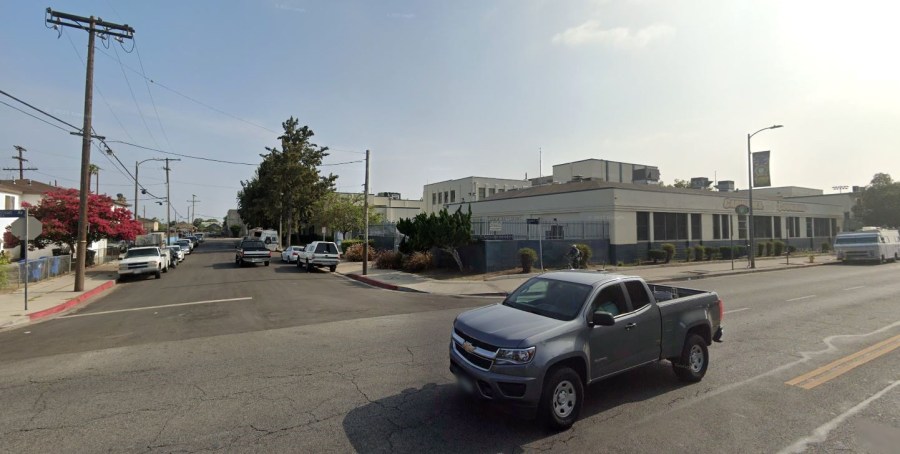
(36, 270)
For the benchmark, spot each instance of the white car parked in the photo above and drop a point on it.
(290, 253)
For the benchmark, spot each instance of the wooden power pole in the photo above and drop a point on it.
(92, 25)
(22, 162)
(366, 217)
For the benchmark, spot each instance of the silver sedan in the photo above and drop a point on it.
(290, 253)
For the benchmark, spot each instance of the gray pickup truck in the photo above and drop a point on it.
(252, 252)
(561, 331)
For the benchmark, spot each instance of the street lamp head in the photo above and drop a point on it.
(776, 126)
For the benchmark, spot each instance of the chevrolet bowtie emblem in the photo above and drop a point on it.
(468, 347)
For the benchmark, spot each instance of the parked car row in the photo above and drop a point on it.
(155, 260)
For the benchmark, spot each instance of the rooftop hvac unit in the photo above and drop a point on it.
(700, 183)
(646, 175)
(725, 186)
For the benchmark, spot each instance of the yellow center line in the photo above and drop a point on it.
(837, 368)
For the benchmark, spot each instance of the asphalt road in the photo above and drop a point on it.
(297, 362)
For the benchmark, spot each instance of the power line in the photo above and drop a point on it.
(180, 154)
(193, 99)
(341, 163)
(100, 92)
(150, 93)
(33, 116)
(39, 110)
(134, 98)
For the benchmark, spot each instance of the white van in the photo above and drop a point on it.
(270, 237)
(869, 244)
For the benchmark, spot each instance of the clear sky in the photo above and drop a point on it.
(447, 89)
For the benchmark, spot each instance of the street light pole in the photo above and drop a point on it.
(136, 166)
(752, 252)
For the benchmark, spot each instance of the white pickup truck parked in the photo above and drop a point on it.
(319, 254)
(144, 260)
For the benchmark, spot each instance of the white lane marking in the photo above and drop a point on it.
(737, 310)
(801, 298)
(854, 288)
(821, 433)
(804, 357)
(158, 307)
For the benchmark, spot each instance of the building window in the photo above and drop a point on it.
(480, 193)
(822, 226)
(777, 220)
(643, 226)
(501, 190)
(762, 226)
(809, 227)
(453, 196)
(492, 191)
(742, 227)
(726, 226)
(670, 226)
(793, 226)
(10, 202)
(440, 197)
(717, 233)
(834, 227)
(446, 197)
(433, 198)
(696, 230)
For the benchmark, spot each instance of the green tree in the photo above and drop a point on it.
(287, 184)
(343, 213)
(879, 204)
(443, 231)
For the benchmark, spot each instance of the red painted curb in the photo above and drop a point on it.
(373, 282)
(72, 302)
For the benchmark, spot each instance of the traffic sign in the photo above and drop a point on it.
(12, 213)
(35, 228)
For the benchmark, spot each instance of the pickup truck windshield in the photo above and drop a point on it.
(550, 298)
(141, 253)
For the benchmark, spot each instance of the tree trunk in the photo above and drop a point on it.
(452, 251)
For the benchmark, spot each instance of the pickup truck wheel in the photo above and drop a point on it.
(166, 269)
(561, 399)
(308, 267)
(332, 268)
(158, 275)
(267, 263)
(691, 366)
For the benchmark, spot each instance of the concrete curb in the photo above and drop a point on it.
(72, 302)
(376, 283)
(732, 273)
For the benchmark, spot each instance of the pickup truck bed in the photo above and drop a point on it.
(252, 252)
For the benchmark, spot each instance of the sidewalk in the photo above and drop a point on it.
(55, 295)
(501, 285)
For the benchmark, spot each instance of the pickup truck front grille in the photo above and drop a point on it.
(478, 361)
(476, 342)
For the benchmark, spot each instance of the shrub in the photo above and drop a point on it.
(4, 277)
(354, 253)
(791, 249)
(699, 252)
(527, 256)
(688, 253)
(669, 248)
(740, 251)
(760, 249)
(656, 255)
(585, 257)
(779, 247)
(826, 247)
(726, 252)
(389, 260)
(347, 244)
(417, 262)
(710, 253)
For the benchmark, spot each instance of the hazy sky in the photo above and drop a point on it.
(447, 89)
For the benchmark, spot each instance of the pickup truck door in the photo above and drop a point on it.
(609, 345)
(644, 321)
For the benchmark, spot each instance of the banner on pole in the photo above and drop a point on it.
(761, 177)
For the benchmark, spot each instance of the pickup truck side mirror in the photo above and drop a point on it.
(603, 319)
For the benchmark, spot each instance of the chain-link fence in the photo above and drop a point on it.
(13, 275)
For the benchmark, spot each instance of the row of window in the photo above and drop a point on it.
(450, 196)
(675, 226)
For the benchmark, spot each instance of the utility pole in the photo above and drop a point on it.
(92, 25)
(192, 213)
(168, 200)
(366, 217)
(22, 162)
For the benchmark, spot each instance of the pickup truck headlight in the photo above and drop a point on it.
(514, 355)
